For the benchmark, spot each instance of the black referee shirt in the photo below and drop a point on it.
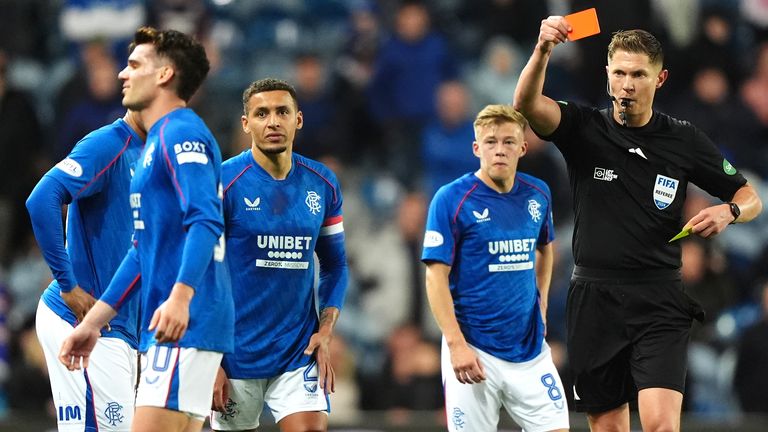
(629, 185)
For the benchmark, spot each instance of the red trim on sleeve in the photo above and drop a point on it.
(321, 176)
(125, 146)
(237, 177)
(461, 203)
(127, 291)
(168, 161)
(333, 220)
(537, 188)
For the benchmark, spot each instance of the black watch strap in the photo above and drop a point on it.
(735, 211)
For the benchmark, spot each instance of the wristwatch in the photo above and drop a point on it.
(735, 211)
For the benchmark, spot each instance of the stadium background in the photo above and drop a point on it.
(388, 97)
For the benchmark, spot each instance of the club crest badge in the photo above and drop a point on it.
(664, 191)
(313, 202)
(534, 208)
(114, 413)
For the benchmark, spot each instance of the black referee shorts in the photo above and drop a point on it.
(627, 331)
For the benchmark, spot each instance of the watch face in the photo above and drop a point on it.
(735, 210)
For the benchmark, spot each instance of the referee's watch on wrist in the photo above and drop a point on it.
(735, 211)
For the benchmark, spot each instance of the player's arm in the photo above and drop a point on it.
(334, 277)
(221, 390)
(77, 347)
(334, 272)
(320, 345)
(193, 174)
(713, 220)
(545, 258)
(749, 203)
(542, 112)
(465, 363)
(171, 318)
(44, 206)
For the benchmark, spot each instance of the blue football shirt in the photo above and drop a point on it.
(96, 174)
(489, 239)
(274, 229)
(176, 188)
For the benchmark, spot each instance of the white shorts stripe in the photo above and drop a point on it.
(178, 379)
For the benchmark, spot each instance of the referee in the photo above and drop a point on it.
(628, 317)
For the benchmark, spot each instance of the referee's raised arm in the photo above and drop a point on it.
(542, 112)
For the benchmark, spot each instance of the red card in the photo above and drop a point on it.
(583, 24)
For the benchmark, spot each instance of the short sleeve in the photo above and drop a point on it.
(711, 171)
(572, 118)
(439, 241)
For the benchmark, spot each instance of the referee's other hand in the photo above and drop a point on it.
(710, 221)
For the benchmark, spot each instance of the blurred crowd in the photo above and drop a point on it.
(389, 90)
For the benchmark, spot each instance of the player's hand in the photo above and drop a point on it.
(78, 301)
(553, 30)
(466, 365)
(171, 318)
(77, 347)
(221, 389)
(320, 345)
(710, 221)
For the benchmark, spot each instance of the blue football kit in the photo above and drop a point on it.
(175, 200)
(489, 239)
(94, 180)
(274, 229)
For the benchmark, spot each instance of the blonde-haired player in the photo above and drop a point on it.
(489, 262)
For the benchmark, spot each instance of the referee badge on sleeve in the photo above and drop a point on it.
(664, 191)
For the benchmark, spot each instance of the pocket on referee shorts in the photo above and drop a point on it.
(694, 309)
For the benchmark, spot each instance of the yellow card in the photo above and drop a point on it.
(684, 233)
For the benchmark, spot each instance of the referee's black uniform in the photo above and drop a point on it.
(628, 317)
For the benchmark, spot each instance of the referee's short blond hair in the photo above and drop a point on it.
(498, 114)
